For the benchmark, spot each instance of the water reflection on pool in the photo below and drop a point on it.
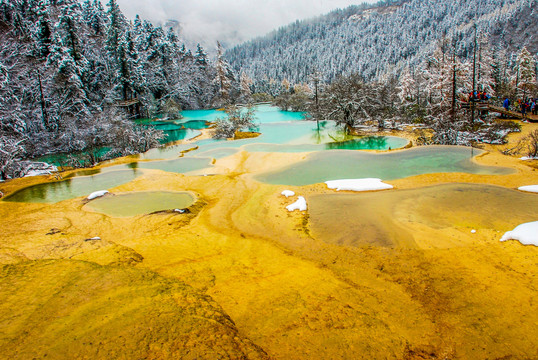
(265, 114)
(384, 218)
(73, 187)
(281, 131)
(333, 165)
(302, 136)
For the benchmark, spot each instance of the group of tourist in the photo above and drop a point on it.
(527, 106)
(478, 95)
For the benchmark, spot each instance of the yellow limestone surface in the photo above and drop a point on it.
(241, 277)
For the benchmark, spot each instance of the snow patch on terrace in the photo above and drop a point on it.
(97, 194)
(38, 172)
(287, 193)
(527, 234)
(529, 188)
(366, 184)
(40, 168)
(300, 205)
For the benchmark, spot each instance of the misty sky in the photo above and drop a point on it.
(230, 21)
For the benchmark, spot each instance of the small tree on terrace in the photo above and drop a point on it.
(237, 119)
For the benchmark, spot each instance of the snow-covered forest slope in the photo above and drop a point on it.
(67, 67)
(383, 39)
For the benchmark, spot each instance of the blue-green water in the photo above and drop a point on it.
(172, 125)
(181, 134)
(334, 165)
(301, 136)
(73, 187)
(206, 115)
(265, 114)
(196, 124)
(280, 132)
(175, 134)
(82, 158)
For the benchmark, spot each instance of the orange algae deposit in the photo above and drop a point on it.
(396, 274)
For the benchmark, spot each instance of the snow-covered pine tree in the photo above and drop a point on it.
(485, 61)
(44, 31)
(526, 73)
(200, 57)
(116, 48)
(246, 92)
(501, 73)
(95, 16)
(380, 41)
(224, 77)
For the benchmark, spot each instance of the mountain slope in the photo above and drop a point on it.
(384, 39)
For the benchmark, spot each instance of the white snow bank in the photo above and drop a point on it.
(287, 193)
(529, 188)
(39, 168)
(527, 234)
(38, 173)
(97, 194)
(528, 158)
(358, 184)
(300, 205)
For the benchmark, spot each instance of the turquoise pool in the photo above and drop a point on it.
(334, 165)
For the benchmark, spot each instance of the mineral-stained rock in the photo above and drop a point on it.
(66, 309)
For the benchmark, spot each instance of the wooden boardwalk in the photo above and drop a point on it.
(513, 114)
(486, 106)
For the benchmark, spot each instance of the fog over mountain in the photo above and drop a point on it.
(229, 21)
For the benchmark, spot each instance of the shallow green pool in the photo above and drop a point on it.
(139, 203)
(181, 165)
(84, 182)
(73, 187)
(377, 218)
(166, 152)
(333, 165)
